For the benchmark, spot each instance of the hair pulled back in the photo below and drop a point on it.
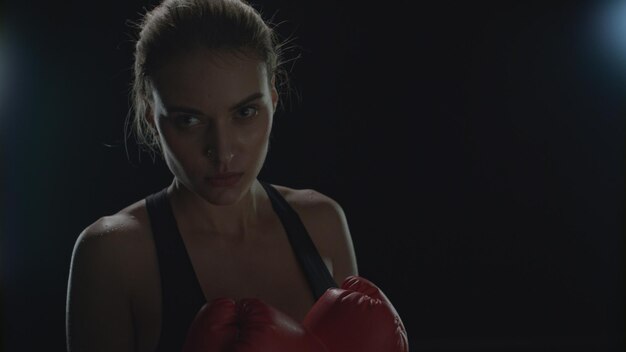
(178, 26)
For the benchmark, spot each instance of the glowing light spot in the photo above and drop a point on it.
(609, 25)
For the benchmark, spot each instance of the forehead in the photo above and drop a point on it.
(202, 78)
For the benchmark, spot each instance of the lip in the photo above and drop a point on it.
(225, 180)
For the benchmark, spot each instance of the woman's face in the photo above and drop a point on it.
(214, 113)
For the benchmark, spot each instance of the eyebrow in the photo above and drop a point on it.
(236, 106)
(247, 100)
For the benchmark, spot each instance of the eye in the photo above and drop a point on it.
(247, 112)
(186, 120)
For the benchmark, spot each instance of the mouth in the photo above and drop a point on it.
(225, 180)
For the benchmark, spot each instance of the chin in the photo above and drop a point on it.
(223, 196)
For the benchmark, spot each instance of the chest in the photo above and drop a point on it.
(268, 270)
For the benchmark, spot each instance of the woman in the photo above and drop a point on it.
(204, 97)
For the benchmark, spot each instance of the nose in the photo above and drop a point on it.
(220, 146)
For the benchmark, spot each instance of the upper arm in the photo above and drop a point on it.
(98, 311)
(341, 248)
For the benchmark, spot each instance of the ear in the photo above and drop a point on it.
(274, 92)
(149, 115)
(148, 100)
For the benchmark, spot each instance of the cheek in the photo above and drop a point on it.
(179, 152)
(174, 158)
(257, 136)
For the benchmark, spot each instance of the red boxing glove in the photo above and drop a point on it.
(246, 326)
(357, 317)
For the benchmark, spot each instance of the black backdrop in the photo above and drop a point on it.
(477, 149)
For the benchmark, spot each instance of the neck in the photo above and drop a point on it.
(202, 219)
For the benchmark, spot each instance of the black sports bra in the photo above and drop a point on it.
(181, 292)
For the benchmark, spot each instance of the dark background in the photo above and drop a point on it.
(476, 147)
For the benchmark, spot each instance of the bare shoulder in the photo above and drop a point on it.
(325, 220)
(105, 246)
(319, 212)
(118, 242)
(99, 285)
(311, 201)
(126, 227)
